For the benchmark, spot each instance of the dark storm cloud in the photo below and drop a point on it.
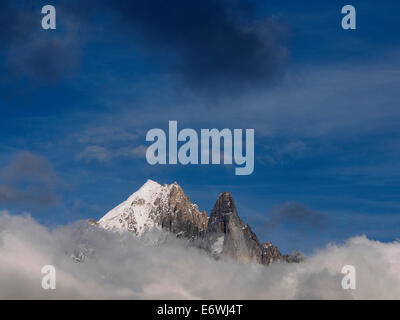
(216, 44)
(30, 52)
(27, 180)
(301, 215)
(212, 44)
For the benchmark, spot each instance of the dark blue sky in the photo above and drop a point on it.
(76, 103)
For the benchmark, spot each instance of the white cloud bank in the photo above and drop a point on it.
(121, 266)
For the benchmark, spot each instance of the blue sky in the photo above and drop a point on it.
(76, 103)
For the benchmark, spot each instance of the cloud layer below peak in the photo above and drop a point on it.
(121, 266)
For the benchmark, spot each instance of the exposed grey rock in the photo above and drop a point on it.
(180, 216)
(167, 208)
(270, 254)
(297, 257)
(228, 235)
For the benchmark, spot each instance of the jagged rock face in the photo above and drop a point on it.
(228, 235)
(155, 206)
(297, 257)
(168, 208)
(270, 254)
(181, 217)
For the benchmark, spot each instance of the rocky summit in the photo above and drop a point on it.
(228, 235)
(167, 208)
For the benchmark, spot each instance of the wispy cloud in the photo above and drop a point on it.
(286, 151)
(104, 154)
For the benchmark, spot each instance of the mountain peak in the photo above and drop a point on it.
(225, 196)
(149, 181)
(150, 184)
(168, 208)
(225, 205)
(156, 206)
(228, 235)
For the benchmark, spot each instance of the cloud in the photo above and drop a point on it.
(104, 154)
(27, 179)
(102, 135)
(213, 44)
(217, 45)
(98, 153)
(272, 155)
(44, 60)
(122, 266)
(301, 215)
(32, 53)
(294, 122)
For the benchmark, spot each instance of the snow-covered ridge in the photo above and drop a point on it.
(137, 212)
(152, 206)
